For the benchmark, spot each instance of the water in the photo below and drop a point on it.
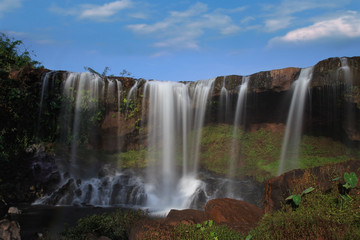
(293, 132)
(239, 116)
(175, 119)
(48, 82)
(224, 103)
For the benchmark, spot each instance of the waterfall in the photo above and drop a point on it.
(224, 103)
(173, 114)
(293, 131)
(174, 127)
(239, 115)
(83, 93)
(349, 117)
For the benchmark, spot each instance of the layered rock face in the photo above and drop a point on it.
(173, 131)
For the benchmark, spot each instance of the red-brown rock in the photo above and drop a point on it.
(186, 216)
(239, 215)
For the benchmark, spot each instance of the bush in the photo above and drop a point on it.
(114, 225)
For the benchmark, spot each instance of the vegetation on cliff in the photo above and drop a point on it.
(330, 214)
(18, 109)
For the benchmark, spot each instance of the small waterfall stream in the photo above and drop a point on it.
(293, 131)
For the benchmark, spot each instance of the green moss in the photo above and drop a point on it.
(317, 151)
(130, 159)
(259, 151)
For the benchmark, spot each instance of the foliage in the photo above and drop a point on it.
(321, 215)
(18, 113)
(114, 225)
(296, 198)
(350, 180)
(11, 56)
(206, 230)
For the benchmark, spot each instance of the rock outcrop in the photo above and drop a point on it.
(9, 230)
(238, 215)
(277, 189)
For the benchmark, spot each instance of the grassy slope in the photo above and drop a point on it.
(259, 151)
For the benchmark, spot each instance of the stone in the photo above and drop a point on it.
(239, 215)
(186, 216)
(279, 188)
(151, 229)
(9, 230)
(14, 210)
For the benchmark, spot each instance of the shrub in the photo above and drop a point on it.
(114, 225)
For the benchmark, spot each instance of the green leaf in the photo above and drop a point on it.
(335, 179)
(210, 223)
(198, 225)
(346, 197)
(248, 237)
(289, 197)
(297, 199)
(306, 191)
(350, 179)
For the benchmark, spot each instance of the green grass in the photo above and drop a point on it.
(319, 216)
(259, 151)
(205, 231)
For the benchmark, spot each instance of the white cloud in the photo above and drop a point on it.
(347, 26)
(272, 25)
(94, 12)
(284, 15)
(9, 5)
(183, 30)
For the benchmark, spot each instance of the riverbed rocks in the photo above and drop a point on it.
(9, 230)
(238, 215)
(279, 188)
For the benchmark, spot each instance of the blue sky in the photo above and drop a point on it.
(183, 40)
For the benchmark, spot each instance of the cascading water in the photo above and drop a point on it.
(47, 84)
(349, 123)
(224, 103)
(86, 90)
(173, 116)
(293, 131)
(170, 121)
(239, 113)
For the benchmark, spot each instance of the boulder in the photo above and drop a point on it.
(14, 210)
(151, 229)
(239, 215)
(186, 216)
(279, 188)
(9, 230)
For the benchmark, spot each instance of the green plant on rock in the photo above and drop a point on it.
(206, 230)
(296, 198)
(350, 180)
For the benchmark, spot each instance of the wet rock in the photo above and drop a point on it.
(151, 229)
(9, 230)
(279, 188)
(14, 210)
(239, 215)
(187, 216)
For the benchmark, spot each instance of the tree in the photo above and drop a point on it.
(11, 56)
